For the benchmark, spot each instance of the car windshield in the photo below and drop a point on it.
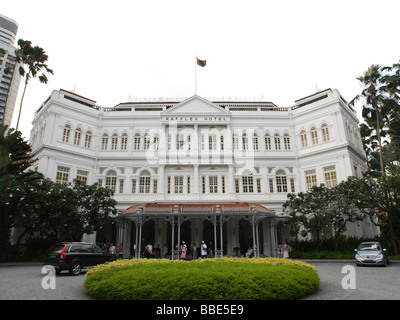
(369, 247)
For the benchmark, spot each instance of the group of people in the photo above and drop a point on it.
(111, 249)
(149, 252)
(203, 251)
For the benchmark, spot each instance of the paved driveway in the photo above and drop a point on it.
(24, 282)
(371, 283)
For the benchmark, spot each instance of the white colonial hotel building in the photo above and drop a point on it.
(196, 169)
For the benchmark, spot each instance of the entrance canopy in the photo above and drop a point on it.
(198, 209)
(216, 213)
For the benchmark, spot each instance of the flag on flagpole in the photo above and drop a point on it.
(201, 63)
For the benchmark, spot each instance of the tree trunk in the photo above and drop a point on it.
(22, 99)
(378, 132)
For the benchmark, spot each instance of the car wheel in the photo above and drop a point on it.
(75, 268)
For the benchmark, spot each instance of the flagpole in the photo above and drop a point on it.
(195, 75)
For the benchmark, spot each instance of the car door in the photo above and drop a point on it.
(88, 258)
(100, 255)
(74, 253)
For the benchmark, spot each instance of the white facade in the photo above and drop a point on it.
(198, 152)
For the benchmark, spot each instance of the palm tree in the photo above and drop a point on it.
(372, 96)
(34, 58)
(391, 86)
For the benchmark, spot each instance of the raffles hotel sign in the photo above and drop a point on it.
(197, 119)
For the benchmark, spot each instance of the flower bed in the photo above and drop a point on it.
(203, 279)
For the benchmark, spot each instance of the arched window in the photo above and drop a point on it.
(268, 141)
(325, 132)
(281, 181)
(111, 180)
(245, 141)
(146, 141)
(104, 142)
(235, 141)
(303, 138)
(77, 137)
(88, 139)
(144, 182)
(136, 145)
(114, 141)
(255, 141)
(124, 141)
(248, 183)
(156, 142)
(286, 141)
(314, 135)
(277, 140)
(66, 133)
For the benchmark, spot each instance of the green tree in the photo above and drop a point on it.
(386, 213)
(374, 107)
(41, 208)
(64, 211)
(347, 198)
(308, 211)
(381, 108)
(15, 158)
(391, 86)
(328, 210)
(92, 208)
(34, 60)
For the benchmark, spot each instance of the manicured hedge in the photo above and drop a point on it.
(207, 279)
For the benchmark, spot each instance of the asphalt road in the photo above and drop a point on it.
(24, 282)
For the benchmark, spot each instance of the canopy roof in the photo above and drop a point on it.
(196, 209)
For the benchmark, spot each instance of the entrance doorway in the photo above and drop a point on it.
(245, 236)
(209, 236)
(148, 231)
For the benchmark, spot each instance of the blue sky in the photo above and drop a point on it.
(281, 51)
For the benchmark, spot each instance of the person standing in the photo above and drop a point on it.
(165, 251)
(286, 249)
(111, 249)
(194, 251)
(183, 250)
(203, 250)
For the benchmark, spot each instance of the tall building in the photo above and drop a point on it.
(9, 75)
(200, 170)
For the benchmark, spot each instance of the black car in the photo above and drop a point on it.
(75, 256)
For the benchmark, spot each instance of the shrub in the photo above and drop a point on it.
(207, 279)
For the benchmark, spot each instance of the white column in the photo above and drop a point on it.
(196, 183)
(231, 179)
(161, 183)
(233, 234)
